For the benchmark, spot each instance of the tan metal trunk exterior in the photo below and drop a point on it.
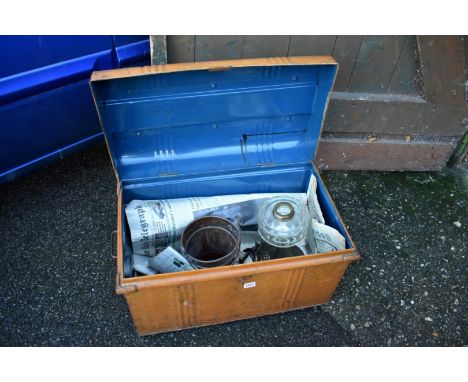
(172, 301)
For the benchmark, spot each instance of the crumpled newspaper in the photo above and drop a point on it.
(167, 261)
(155, 224)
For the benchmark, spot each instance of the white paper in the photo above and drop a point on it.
(325, 238)
(312, 201)
(155, 224)
(141, 264)
(169, 261)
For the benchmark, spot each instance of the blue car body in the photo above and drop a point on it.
(46, 107)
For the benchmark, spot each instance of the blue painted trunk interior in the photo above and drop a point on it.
(204, 133)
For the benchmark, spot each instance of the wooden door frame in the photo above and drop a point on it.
(400, 132)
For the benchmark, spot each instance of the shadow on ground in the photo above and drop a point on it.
(58, 277)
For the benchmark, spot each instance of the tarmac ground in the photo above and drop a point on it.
(409, 289)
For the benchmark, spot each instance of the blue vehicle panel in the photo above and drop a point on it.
(23, 53)
(46, 107)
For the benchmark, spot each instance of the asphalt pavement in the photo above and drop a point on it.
(58, 275)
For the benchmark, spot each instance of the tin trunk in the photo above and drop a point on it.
(217, 128)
